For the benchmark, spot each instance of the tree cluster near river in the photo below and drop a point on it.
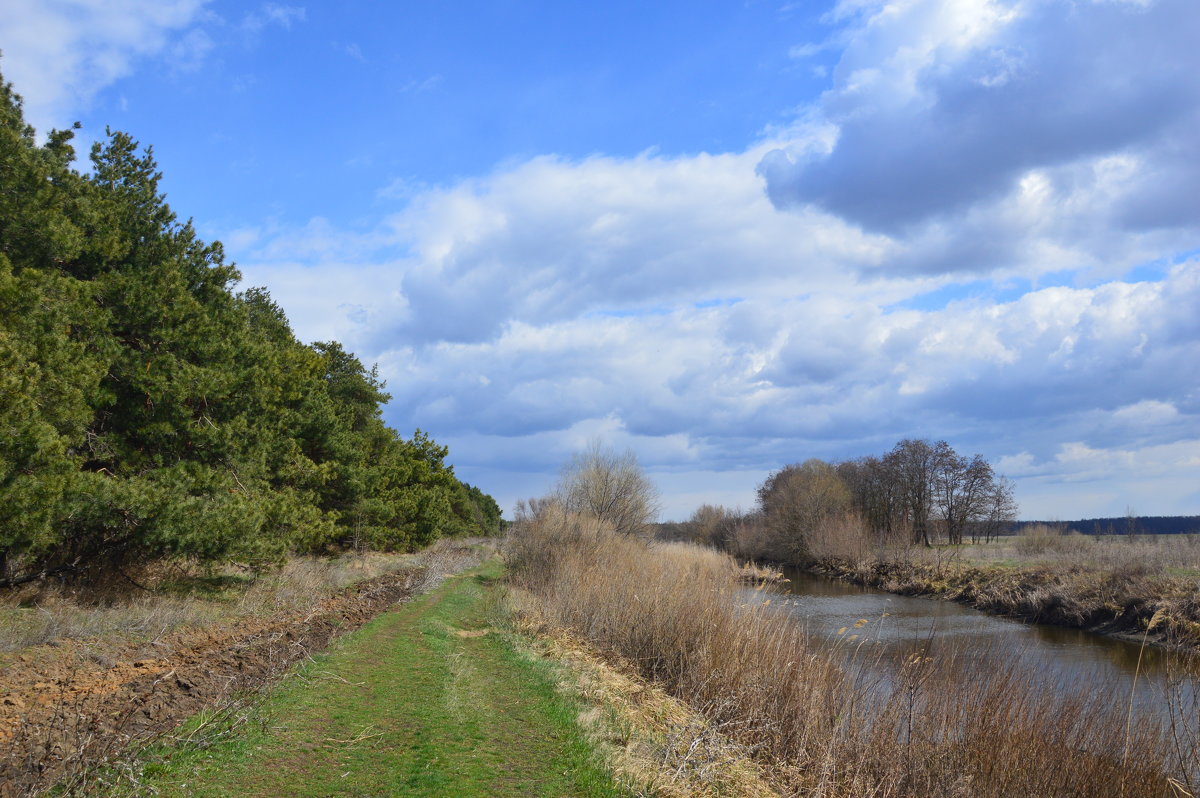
(918, 492)
(148, 411)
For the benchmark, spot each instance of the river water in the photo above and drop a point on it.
(848, 616)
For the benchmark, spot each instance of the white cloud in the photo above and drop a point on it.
(420, 85)
(60, 53)
(273, 14)
(723, 322)
(284, 15)
(522, 313)
(189, 52)
(1146, 413)
(608, 234)
(1009, 130)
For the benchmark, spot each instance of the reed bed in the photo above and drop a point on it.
(832, 724)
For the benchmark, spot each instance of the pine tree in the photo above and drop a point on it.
(147, 411)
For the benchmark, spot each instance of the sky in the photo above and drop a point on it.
(726, 235)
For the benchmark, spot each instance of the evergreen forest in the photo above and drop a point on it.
(150, 411)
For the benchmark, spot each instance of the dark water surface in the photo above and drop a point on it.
(1068, 659)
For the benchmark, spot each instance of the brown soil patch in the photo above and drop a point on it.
(472, 632)
(68, 706)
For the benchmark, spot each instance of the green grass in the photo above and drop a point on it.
(408, 705)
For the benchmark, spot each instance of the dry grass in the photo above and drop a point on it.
(1066, 550)
(168, 597)
(654, 744)
(924, 726)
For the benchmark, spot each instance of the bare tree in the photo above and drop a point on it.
(796, 501)
(610, 486)
(1001, 511)
(1130, 526)
(923, 486)
(912, 464)
(876, 494)
(962, 488)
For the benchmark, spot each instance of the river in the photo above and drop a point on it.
(1068, 659)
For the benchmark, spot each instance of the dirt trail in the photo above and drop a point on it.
(62, 711)
(429, 700)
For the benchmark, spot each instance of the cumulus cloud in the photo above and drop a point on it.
(664, 303)
(552, 239)
(724, 314)
(942, 106)
(60, 53)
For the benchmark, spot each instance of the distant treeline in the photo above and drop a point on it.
(148, 411)
(1137, 525)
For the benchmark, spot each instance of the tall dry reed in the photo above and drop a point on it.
(839, 725)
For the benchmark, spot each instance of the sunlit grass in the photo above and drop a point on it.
(432, 699)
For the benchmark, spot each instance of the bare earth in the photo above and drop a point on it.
(66, 707)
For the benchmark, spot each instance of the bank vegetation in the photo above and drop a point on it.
(923, 519)
(841, 722)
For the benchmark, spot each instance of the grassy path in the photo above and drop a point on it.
(425, 700)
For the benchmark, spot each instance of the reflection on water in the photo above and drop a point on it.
(1064, 658)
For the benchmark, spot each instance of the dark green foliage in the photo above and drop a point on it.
(482, 512)
(147, 411)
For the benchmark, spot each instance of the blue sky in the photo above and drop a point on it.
(728, 235)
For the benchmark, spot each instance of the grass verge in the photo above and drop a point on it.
(72, 707)
(429, 699)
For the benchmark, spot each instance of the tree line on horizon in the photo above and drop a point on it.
(149, 411)
(1129, 524)
(917, 493)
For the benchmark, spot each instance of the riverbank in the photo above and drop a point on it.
(1123, 598)
(855, 721)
